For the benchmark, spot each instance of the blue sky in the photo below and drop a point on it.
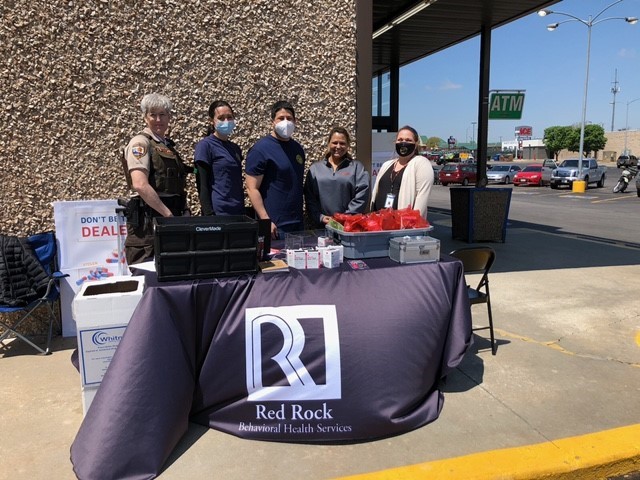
(438, 94)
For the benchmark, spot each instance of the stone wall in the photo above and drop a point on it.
(74, 72)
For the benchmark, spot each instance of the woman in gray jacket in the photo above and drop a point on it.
(337, 183)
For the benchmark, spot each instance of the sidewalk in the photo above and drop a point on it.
(568, 365)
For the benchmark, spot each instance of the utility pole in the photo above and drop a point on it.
(615, 89)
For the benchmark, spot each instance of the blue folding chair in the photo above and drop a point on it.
(38, 279)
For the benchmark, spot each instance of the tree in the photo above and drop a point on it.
(557, 138)
(594, 139)
(434, 142)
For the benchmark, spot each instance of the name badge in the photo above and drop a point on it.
(389, 201)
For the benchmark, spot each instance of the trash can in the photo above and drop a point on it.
(102, 310)
(479, 214)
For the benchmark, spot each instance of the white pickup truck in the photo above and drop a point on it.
(568, 172)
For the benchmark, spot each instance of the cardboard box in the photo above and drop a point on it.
(102, 309)
(325, 241)
(313, 259)
(332, 256)
(297, 259)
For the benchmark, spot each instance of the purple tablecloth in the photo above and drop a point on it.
(357, 355)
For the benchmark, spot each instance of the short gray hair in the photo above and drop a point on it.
(153, 101)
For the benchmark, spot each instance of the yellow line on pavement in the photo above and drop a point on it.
(586, 457)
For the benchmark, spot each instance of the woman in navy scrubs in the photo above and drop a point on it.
(219, 164)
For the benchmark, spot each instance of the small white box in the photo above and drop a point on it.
(331, 257)
(325, 241)
(297, 259)
(313, 259)
(339, 248)
(102, 309)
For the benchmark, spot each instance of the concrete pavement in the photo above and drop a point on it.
(559, 400)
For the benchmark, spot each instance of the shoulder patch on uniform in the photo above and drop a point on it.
(138, 151)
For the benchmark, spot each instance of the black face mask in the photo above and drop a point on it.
(404, 149)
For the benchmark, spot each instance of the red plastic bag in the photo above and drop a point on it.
(354, 223)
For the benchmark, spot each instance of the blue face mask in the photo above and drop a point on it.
(226, 127)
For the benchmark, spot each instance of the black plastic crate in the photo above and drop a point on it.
(204, 247)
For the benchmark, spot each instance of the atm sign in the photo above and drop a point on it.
(506, 106)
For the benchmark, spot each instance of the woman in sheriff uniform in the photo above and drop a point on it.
(156, 174)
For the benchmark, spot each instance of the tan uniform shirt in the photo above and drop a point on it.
(137, 152)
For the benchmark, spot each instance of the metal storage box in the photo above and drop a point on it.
(414, 249)
(204, 247)
(370, 244)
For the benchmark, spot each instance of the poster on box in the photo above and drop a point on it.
(87, 232)
(89, 248)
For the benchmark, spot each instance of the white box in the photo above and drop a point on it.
(297, 259)
(325, 241)
(339, 248)
(313, 259)
(331, 257)
(102, 309)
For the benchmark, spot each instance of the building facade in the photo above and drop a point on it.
(76, 75)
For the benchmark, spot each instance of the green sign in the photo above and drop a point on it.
(506, 106)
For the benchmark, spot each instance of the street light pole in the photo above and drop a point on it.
(589, 24)
(615, 90)
(584, 99)
(626, 125)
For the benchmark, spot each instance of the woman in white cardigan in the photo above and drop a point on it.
(404, 181)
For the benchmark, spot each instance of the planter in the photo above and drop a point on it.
(480, 214)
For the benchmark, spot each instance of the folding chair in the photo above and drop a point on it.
(478, 260)
(40, 279)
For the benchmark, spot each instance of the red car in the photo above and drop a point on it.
(533, 174)
(462, 173)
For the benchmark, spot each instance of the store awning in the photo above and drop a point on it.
(442, 24)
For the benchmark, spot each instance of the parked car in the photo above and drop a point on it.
(457, 173)
(502, 173)
(627, 161)
(638, 184)
(569, 172)
(534, 174)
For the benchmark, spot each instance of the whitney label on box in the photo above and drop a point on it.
(96, 348)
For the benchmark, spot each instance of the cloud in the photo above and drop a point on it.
(449, 85)
(627, 53)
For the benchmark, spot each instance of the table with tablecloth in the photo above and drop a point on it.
(327, 355)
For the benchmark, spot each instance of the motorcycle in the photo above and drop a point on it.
(628, 174)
